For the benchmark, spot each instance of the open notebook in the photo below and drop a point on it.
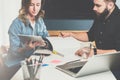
(95, 64)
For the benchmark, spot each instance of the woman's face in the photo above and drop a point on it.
(34, 7)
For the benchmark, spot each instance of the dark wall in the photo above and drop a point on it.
(68, 14)
(68, 9)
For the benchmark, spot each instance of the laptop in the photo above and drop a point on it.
(96, 64)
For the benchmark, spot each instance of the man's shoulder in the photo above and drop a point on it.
(116, 15)
(119, 12)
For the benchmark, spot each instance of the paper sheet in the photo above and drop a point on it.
(67, 46)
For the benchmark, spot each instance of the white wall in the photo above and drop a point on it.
(8, 11)
(0, 24)
(118, 3)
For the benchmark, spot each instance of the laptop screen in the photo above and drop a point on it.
(75, 70)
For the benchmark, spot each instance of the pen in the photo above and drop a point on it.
(36, 66)
(30, 68)
(27, 61)
(34, 63)
(60, 54)
(39, 63)
(40, 59)
(31, 63)
(61, 34)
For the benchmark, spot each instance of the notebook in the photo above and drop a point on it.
(96, 64)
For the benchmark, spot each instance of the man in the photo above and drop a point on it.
(105, 30)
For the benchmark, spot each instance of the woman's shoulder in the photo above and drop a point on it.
(40, 19)
(17, 20)
(16, 23)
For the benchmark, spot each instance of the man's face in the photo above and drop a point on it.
(100, 7)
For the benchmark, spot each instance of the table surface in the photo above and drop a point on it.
(49, 72)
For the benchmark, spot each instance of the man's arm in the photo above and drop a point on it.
(80, 52)
(100, 51)
(82, 36)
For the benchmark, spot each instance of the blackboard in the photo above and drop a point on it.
(69, 9)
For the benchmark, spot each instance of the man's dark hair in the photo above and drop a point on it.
(111, 0)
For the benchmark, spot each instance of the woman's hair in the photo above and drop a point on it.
(24, 10)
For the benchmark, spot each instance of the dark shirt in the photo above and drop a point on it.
(106, 33)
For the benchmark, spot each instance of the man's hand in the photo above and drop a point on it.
(65, 34)
(84, 52)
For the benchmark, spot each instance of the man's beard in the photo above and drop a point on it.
(103, 15)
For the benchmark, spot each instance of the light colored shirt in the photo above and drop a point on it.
(18, 27)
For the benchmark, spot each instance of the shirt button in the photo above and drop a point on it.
(108, 20)
(100, 42)
(101, 33)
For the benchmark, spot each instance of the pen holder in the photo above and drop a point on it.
(30, 71)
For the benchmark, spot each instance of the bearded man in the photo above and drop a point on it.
(105, 30)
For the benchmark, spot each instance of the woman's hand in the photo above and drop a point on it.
(33, 44)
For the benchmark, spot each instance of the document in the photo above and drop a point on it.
(63, 43)
(66, 43)
(67, 46)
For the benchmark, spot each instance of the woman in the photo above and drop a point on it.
(29, 22)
